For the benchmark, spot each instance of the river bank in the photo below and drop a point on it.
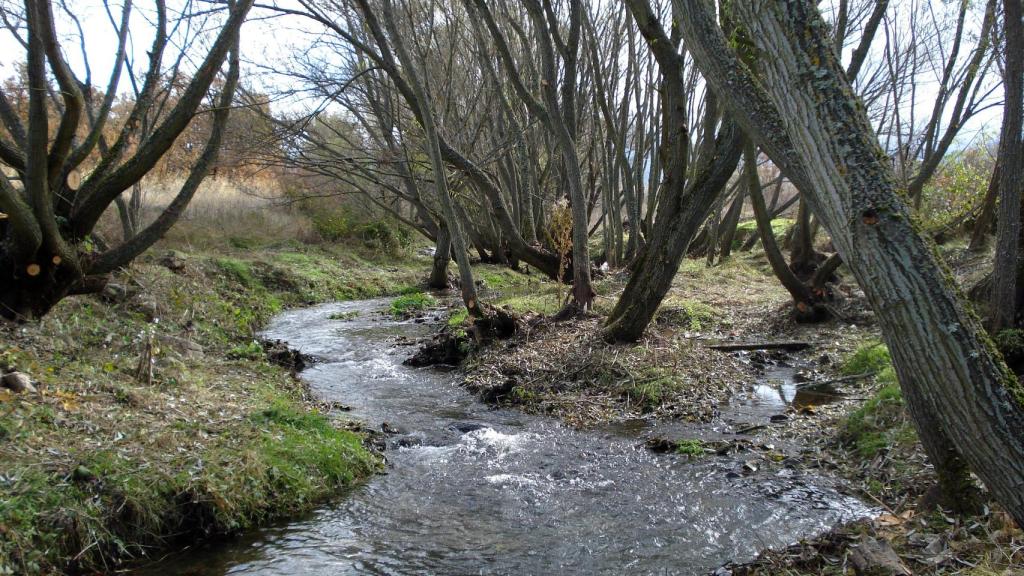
(158, 419)
(840, 414)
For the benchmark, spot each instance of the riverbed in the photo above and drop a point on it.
(469, 489)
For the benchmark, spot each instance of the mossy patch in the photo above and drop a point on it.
(688, 314)
(411, 303)
(692, 447)
(744, 230)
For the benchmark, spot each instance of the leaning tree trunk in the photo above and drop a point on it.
(805, 305)
(967, 406)
(442, 256)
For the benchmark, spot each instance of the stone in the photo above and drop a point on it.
(873, 557)
(173, 261)
(466, 427)
(18, 382)
(115, 293)
(182, 346)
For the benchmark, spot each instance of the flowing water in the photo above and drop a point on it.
(474, 490)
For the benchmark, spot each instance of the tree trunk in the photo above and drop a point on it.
(805, 305)
(983, 225)
(1011, 177)
(802, 259)
(685, 205)
(442, 256)
(421, 100)
(732, 221)
(804, 113)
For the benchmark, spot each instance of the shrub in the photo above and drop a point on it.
(382, 235)
(333, 225)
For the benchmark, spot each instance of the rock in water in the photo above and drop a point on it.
(18, 382)
(466, 427)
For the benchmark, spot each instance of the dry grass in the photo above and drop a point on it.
(224, 212)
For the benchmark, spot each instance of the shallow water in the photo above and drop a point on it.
(516, 494)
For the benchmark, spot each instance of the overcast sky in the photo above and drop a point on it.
(268, 40)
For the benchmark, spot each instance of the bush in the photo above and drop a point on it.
(383, 235)
(332, 226)
(957, 188)
(1011, 344)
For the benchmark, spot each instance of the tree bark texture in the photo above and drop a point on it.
(804, 114)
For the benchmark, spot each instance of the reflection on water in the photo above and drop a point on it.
(482, 491)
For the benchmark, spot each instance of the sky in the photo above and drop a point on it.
(268, 40)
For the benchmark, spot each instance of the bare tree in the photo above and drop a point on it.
(45, 246)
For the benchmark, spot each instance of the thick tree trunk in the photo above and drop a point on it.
(804, 113)
(802, 258)
(1011, 156)
(442, 256)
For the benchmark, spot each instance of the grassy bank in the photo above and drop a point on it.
(158, 420)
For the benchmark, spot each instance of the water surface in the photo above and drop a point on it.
(474, 490)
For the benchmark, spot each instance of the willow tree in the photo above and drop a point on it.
(47, 211)
(967, 406)
(688, 192)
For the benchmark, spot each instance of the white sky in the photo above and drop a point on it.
(267, 40)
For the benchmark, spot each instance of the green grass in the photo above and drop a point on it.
(690, 447)
(501, 278)
(410, 303)
(103, 468)
(458, 318)
(871, 357)
(238, 270)
(651, 387)
(689, 314)
(881, 422)
(745, 229)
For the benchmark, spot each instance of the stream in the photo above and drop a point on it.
(470, 489)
